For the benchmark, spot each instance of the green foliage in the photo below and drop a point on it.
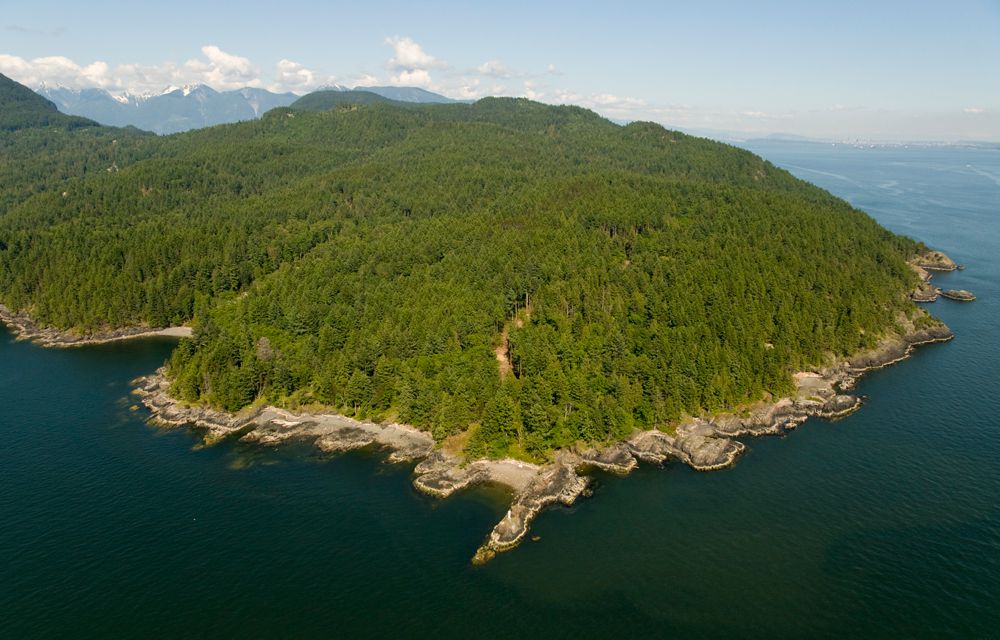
(22, 108)
(369, 259)
(324, 100)
(499, 428)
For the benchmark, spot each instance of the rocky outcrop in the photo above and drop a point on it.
(921, 264)
(891, 350)
(704, 452)
(925, 292)
(27, 329)
(959, 294)
(614, 459)
(272, 426)
(704, 443)
(695, 443)
(554, 483)
(707, 443)
(441, 474)
(934, 261)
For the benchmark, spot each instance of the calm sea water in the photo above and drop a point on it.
(886, 523)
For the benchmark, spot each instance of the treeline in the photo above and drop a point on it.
(372, 258)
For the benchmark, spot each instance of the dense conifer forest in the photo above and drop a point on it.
(527, 276)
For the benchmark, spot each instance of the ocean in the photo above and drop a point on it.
(885, 523)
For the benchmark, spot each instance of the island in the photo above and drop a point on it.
(500, 292)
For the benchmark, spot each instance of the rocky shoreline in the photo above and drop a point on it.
(704, 443)
(27, 329)
(926, 292)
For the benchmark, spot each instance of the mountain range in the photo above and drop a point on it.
(179, 109)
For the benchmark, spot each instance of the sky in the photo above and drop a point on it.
(880, 70)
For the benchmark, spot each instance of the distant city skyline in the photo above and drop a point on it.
(880, 71)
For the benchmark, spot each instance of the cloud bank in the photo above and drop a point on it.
(217, 68)
(410, 64)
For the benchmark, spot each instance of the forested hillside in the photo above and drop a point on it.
(21, 108)
(536, 272)
(325, 100)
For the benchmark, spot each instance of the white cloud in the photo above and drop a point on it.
(530, 91)
(494, 68)
(223, 70)
(409, 55)
(471, 90)
(552, 71)
(291, 73)
(295, 77)
(607, 104)
(411, 63)
(412, 78)
(53, 69)
(217, 68)
(365, 80)
(974, 110)
(610, 100)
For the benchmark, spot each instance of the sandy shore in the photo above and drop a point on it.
(27, 329)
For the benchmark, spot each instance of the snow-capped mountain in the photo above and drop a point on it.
(177, 109)
(172, 110)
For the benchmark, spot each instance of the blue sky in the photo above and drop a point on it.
(845, 70)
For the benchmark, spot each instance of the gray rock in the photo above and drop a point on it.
(615, 459)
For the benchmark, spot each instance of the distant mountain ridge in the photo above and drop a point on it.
(409, 94)
(179, 109)
(176, 109)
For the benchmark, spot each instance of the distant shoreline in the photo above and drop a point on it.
(25, 328)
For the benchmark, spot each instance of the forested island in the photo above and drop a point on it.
(503, 290)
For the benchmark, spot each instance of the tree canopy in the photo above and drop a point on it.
(393, 262)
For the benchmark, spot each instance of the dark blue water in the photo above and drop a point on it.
(886, 523)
